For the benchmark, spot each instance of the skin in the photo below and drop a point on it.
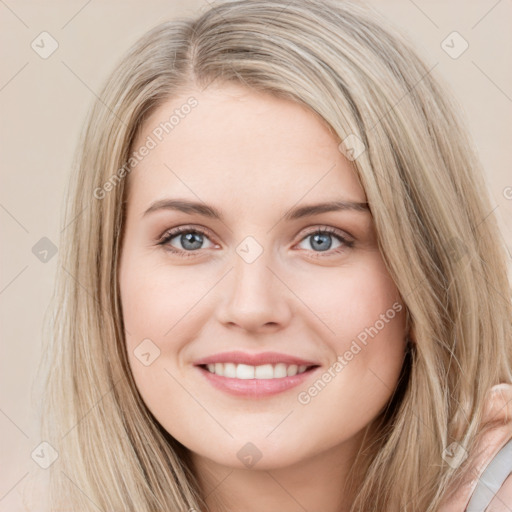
(254, 157)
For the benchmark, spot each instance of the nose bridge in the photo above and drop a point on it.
(251, 276)
(254, 296)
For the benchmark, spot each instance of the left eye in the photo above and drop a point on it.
(321, 240)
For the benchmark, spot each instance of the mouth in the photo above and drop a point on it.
(261, 372)
(255, 375)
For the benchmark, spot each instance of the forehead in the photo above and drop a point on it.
(238, 143)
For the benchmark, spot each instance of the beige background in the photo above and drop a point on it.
(43, 104)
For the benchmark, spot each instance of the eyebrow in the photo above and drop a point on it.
(186, 206)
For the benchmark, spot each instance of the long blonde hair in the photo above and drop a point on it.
(436, 232)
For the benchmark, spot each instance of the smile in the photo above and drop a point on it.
(270, 379)
(265, 372)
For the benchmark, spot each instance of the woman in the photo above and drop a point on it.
(281, 284)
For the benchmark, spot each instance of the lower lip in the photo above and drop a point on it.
(256, 388)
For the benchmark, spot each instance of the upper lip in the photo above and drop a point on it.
(259, 359)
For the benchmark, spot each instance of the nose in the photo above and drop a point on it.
(254, 297)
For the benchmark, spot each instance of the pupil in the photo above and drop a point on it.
(324, 239)
(190, 238)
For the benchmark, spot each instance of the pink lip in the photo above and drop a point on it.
(262, 358)
(255, 388)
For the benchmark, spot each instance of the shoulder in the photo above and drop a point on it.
(499, 405)
(503, 498)
(489, 478)
(493, 491)
(494, 484)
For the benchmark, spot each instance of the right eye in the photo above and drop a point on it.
(184, 239)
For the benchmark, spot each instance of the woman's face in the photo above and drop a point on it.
(289, 303)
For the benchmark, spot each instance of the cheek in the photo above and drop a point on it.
(162, 312)
(154, 301)
(155, 298)
(355, 300)
(366, 340)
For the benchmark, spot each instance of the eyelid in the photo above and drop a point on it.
(328, 229)
(172, 232)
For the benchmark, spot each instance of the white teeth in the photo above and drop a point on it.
(292, 370)
(243, 371)
(265, 371)
(279, 371)
(229, 370)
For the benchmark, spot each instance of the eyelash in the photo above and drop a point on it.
(169, 235)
